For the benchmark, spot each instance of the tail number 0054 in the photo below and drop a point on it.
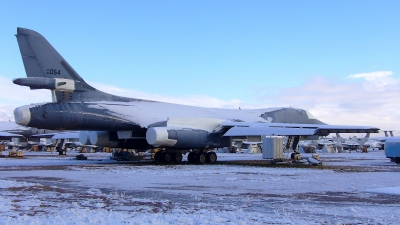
(53, 71)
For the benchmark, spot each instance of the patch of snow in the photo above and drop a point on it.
(386, 190)
(48, 189)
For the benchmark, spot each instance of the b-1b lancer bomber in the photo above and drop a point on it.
(121, 122)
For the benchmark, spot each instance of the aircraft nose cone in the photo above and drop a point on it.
(22, 115)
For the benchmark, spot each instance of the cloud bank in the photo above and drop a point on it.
(358, 99)
(372, 76)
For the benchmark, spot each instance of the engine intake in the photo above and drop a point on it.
(178, 138)
(110, 139)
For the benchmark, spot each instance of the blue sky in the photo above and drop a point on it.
(224, 53)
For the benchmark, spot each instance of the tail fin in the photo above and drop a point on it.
(41, 59)
(47, 69)
(364, 139)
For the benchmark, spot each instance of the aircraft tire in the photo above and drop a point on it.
(177, 157)
(396, 160)
(191, 157)
(61, 152)
(293, 155)
(167, 157)
(200, 158)
(211, 157)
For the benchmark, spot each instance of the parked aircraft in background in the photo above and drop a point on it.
(16, 130)
(327, 145)
(16, 135)
(123, 122)
(372, 143)
(353, 143)
(379, 142)
(22, 136)
(6, 138)
(11, 129)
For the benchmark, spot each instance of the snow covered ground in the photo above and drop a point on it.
(350, 188)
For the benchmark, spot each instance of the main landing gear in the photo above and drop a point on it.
(168, 157)
(193, 157)
(202, 157)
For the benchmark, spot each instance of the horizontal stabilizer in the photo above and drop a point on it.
(58, 84)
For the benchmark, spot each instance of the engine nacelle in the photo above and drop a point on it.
(84, 137)
(158, 136)
(104, 139)
(178, 138)
(110, 139)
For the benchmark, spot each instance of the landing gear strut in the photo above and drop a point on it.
(194, 157)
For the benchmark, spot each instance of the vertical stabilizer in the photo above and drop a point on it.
(41, 59)
(47, 69)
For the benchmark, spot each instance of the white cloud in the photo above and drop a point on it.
(368, 102)
(372, 76)
(12, 94)
(194, 100)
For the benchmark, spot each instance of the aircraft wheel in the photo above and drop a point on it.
(211, 157)
(396, 160)
(191, 157)
(293, 155)
(200, 158)
(167, 157)
(177, 157)
(61, 152)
